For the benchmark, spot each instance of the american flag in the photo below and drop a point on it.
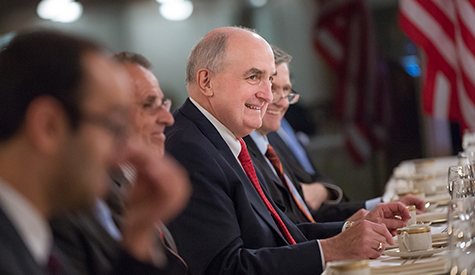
(344, 36)
(445, 30)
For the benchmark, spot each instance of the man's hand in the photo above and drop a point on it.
(315, 194)
(394, 215)
(410, 199)
(358, 216)
(361, 241)
(160, 192)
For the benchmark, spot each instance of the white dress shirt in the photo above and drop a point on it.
(230, 139)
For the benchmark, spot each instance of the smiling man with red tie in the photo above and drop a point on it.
(231, 226)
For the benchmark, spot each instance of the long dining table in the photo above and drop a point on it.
(435, 260)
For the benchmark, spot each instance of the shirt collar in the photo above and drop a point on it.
(261, 141)
(29, 223)
(226, 134)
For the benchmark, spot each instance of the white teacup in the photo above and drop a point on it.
(414, 238)
(348, 267)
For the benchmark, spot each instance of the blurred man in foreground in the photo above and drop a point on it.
(91, 238)
(64, 115)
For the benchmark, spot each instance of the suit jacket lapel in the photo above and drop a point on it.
(19, 258)
(209, 131)
(258, 157)
(97, 233)
(297, 168)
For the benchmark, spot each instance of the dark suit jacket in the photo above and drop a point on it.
(91, 250)
(326, 212)
(15, 258)
(226, 228)
(87, 244)
(300, 173)
(278, 191)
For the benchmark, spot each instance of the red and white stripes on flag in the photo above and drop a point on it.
(344, 36)
(445, 30)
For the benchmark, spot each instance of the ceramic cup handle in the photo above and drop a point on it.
(404, 237)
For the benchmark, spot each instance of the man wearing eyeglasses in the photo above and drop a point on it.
(91, 240)
(64, 120)
(294, 198)
(151, 111)
(285, 188)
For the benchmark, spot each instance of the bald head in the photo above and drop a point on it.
(229, 74)
(210, 51)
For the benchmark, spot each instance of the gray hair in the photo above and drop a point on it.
(209, 53)
(133, 58)
(280, 56)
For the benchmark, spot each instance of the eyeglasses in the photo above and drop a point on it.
(292, 97)
(152, 107)
(119, 129)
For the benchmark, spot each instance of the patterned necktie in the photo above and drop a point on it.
(246, 163)
(277, 164)
(171, 249)
(53, 267)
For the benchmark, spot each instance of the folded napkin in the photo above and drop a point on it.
(432, 216)
(437, 264)
(441, 199)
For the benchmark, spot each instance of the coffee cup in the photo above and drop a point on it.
(414, 238)
(348, 267)
(412, 212)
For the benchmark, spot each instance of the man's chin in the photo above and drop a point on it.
(85, 203)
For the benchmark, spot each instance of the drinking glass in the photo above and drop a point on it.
(460, 177)
(461, 230)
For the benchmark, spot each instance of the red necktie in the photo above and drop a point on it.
(246, 163)
(275, 161)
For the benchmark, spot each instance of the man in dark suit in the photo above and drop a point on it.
(289, 196)
(63, 113)
(91, 239)
(230, 226)
(327, 210)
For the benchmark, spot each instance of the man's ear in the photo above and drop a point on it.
(46, 124)
(203, 78)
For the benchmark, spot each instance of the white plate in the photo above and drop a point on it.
(413, 254)
(440, 237)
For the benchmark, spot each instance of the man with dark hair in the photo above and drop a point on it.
(64, 113)
(230, 225)
(91, 238)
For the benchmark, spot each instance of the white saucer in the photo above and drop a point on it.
(413, 254)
